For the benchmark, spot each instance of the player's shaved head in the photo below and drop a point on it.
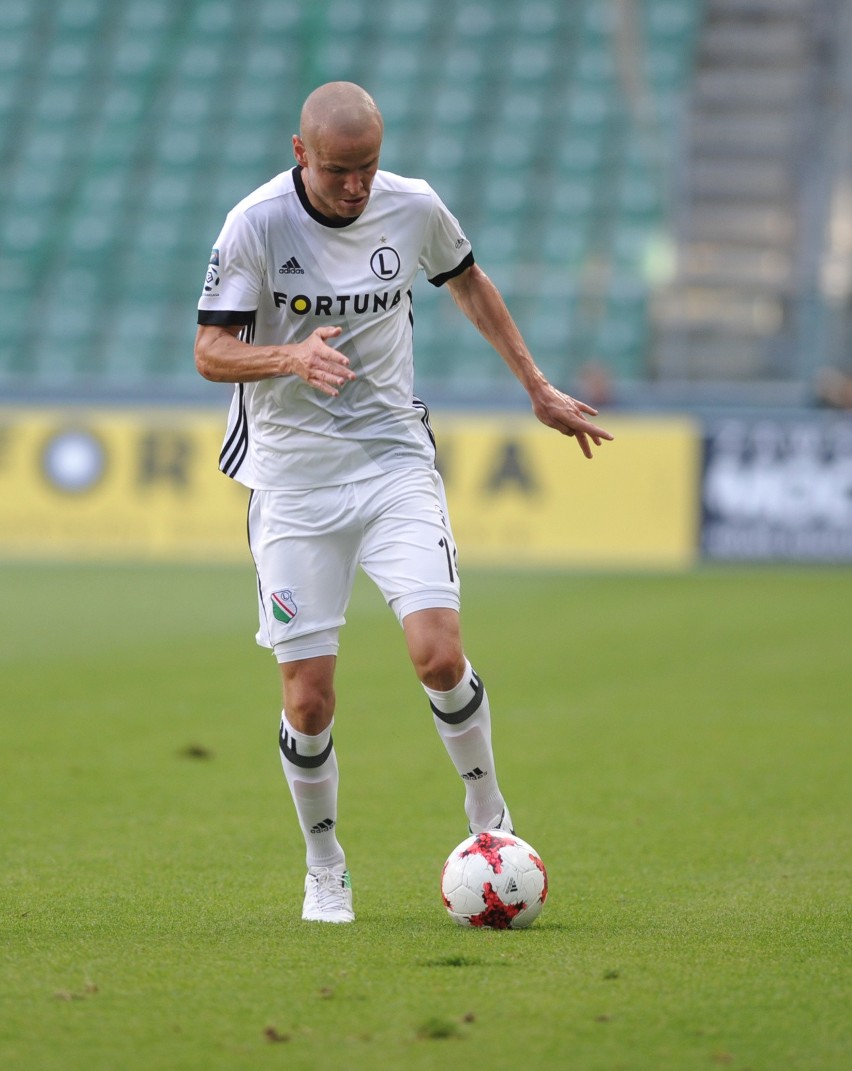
(339, 110)
(338, 148)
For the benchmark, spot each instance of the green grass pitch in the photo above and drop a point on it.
(676, 747)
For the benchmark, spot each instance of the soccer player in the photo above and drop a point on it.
(307, 309)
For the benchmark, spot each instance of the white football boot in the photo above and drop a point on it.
(328, 895)
(502, 821)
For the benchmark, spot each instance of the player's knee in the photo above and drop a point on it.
(440, 668)
(435, 647)
(310, 714)
(309, 697)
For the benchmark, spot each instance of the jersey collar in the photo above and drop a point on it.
(326, 221)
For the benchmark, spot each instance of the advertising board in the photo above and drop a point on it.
(144, 485)
(776, 490)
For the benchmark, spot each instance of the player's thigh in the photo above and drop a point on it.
(408, 548)
(305, 550)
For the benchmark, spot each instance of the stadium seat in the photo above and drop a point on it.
(129, 130)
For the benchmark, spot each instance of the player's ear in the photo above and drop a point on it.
(299, 151)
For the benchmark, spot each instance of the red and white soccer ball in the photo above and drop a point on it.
(494, 880)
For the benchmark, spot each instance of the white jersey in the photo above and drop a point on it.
(281, 269)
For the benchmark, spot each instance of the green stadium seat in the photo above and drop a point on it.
(9, 94)
(28, 232)
(16, 17)
(128, 131)
(566, 242)
(621, 337)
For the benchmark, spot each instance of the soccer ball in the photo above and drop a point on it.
(494, 880)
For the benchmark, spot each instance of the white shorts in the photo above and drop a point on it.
(307, 544)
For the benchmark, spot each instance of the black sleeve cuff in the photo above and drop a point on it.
(225, 318)
(439, 280)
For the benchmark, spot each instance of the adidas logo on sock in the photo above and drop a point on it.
(325, 826)
(292, 267)
(474, 775)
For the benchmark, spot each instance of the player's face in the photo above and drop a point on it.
(338, 171)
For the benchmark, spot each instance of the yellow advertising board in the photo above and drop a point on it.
(520, 493)
(116, 484)
(144, 484)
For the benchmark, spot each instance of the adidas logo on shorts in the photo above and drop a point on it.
(292, 267)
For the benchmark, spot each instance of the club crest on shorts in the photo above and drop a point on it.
(284, 606)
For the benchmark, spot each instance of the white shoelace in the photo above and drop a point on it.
(329, 889)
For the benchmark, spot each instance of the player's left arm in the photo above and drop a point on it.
(481, 302)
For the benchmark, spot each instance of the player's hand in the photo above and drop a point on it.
(568, 416)
(321, 366)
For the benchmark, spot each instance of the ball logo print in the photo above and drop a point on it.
(494, 880)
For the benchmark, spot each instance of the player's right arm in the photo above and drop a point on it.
(222, 357)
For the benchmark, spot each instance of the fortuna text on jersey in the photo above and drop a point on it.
(338, 304)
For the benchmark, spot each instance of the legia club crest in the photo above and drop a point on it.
(284, 606)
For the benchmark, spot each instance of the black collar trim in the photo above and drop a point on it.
(326, 221)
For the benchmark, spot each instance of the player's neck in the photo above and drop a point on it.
(313, 211)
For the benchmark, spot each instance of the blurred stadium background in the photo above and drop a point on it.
(662, 189)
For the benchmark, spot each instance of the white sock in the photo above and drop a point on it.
(310, 767)
(463, 720)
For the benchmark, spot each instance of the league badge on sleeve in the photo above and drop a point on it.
(211, 280)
